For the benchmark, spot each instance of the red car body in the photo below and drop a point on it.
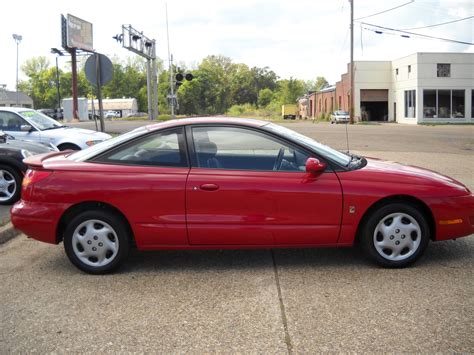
(195, 208)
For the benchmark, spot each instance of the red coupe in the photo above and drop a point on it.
(233, 183)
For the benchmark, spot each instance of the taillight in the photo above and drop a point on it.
(33, 176)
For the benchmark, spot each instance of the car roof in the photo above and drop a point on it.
(207, 120)
(15, 109)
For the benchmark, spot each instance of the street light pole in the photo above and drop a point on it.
(58, 53)
(17, 39)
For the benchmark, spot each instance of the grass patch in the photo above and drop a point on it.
(446, 123)
(368, 123)
(164, 117)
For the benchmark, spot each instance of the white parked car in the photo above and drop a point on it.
(31, 125)
(340, 117)
(112, 114)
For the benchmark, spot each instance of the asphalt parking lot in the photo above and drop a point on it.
(280, 301)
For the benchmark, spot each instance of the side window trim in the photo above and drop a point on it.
(21, 120)
(268, 135)
(181, 143)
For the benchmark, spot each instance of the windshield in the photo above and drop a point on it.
(82, 155)
(341, 113)
(40, 120)
(335, 155)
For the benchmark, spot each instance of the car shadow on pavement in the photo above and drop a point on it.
(450, 254)
(225, 260)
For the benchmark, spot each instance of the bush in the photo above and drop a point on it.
(242, 110)
(324, 116)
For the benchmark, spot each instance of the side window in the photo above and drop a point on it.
(244, 149)
(159, 149)
(10, 121)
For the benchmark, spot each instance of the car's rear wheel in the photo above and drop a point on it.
(10, 185)
(97, 242)
(395, 235)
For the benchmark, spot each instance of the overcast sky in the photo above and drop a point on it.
(295, 38)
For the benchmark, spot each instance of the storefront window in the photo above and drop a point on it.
(472, 103)
(429, 103)
(443, 103)
(458, 103)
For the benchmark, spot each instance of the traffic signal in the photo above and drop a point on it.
(180, 77)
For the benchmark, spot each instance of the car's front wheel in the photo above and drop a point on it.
(395, 235)
(10, 185)
(97, 242)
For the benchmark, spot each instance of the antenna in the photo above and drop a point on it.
(347, 137)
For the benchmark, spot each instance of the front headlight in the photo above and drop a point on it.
(91, 143)
(26, 153)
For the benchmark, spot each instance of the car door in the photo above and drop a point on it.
(11, 123)
(146, 178)
(247, 187)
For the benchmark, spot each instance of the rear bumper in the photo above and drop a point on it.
(37, 220)
(453, 216)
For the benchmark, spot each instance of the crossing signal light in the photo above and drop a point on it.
(180, 77)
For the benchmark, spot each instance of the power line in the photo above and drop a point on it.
(381, 12)
(407, 34)
(438, 24)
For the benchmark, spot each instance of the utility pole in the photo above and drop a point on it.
(172, 95)
(170, 61)
(352, 98)
(75, 104)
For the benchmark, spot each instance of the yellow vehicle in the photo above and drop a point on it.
(288, 112)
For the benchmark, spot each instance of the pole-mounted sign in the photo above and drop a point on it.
(76, 35)
(99, 71)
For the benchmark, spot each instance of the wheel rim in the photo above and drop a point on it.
(397, 236)
(7, 185)
(95, 243)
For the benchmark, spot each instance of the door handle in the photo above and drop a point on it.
(209, 187)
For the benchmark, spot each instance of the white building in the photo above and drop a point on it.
(419, 88)
(434, 87)
(123, 106)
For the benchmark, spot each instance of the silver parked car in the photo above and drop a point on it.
(340, 117)
(31, 125)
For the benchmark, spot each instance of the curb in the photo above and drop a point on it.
(8, 232)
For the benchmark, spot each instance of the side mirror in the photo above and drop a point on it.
(314, 166)
(26, 128)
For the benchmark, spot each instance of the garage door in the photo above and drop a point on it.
(374, 95)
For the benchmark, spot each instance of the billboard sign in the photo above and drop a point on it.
(79, 33)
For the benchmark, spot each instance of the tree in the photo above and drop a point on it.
(265, 96)
(242, 89)
(289, 90)
(35, 66)
(319, 84)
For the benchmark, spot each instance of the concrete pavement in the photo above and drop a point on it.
(281, 301)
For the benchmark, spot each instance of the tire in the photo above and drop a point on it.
(395, 235)
(96, 242)
(10, 185)
(68, 146)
